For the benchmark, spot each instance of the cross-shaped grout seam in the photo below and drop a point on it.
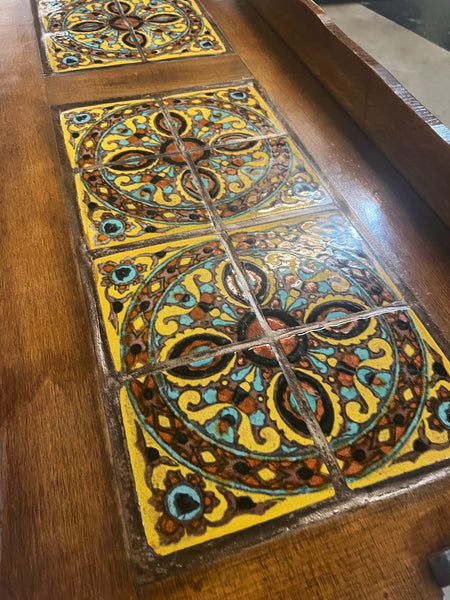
(262, 339)
(131, 30)
(209, 230)
(313, 426)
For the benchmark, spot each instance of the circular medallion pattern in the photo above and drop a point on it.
(231, 415)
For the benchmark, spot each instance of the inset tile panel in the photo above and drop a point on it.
(380, 388)
(134, 164)
(169, 301)
(210, 453)
(310, 270)
(81, 35)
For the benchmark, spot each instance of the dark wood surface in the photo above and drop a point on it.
(61, 524)
(413, 139)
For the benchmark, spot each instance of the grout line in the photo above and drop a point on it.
(131, 30)
(191, 234)
(205, 147)
(251, 138)
(313, 426)
(319, 438)
(181, 361)
(113, 163)
(275, 336)
(146, 244)
(304, 408)
(360, 315)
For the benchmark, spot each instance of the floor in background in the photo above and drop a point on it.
(420, 64)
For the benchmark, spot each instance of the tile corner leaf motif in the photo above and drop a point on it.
(84, 34)
(213, 458)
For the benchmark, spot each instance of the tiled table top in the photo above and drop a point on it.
(266, 362)
(83, 34)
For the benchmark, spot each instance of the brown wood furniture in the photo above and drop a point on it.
(62, 533)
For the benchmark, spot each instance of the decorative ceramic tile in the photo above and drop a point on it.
(211, 452)
(126, 132)
(77, 15)
(169, 301)
(380, 388)
(172, 29)
(119, 204)
(82, 34)
(311, 269)
(221, 116)
(255, 178)
(217, 441)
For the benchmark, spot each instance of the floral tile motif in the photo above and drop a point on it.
(380, 387)
(211, 452)
(169, 301)
(80, 34)
(311, 270)
(125, 132)
(119, 204)
(222, 116)
(172, 29)
(133, 171)
(257, 178)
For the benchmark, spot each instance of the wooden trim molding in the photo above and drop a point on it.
(413, 139)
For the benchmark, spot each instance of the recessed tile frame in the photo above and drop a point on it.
(225, 275)
(101, 33)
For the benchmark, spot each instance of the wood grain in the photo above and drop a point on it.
(413, 139)
(62, 528)
(375, 553)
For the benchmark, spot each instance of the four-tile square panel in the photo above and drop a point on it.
(84, 34)
(225, 276)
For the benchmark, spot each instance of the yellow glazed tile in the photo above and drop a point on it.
(396, 402)
(131, 132)
(120, 205)
(223, 115)
(311, 268)
(207, 458)
(380, 389)
(169, 301)
(256, 178)
(175, 29)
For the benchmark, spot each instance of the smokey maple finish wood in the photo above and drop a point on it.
(62, 533)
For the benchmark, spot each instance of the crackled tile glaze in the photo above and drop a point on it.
(82, 34)
(209, 453)
(198, 323)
